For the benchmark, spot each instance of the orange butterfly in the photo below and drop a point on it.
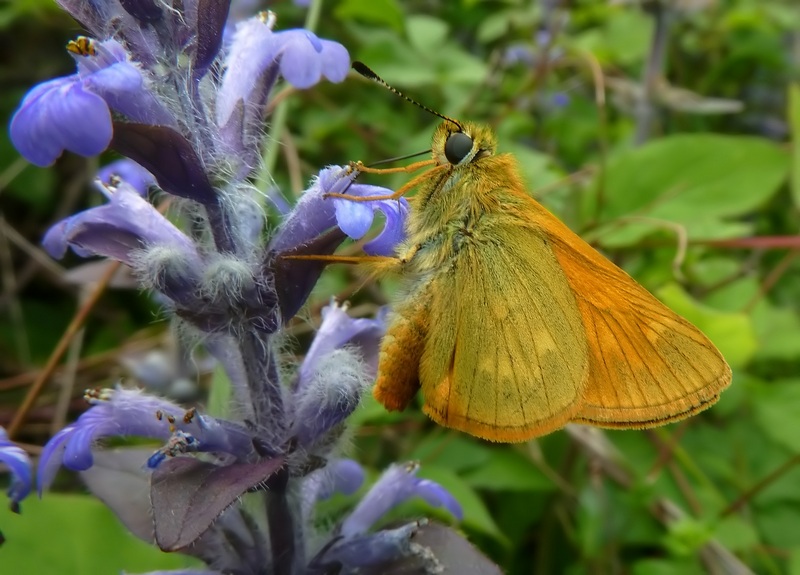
(511, 324)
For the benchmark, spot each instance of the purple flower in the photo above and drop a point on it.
(355, 218)
(305, 58)
(519, 54)
(344, 476)
(397, 484)
(119, 412)
(257, 54)
(543, 37)
(129, 172)
(560, 99)
(356, 547)
(19, 464)
(117, 229)
(373, 549)
(110, 73)
(339, 476)
(60, 115)
(72, 113)
(337, 330)
(330, 384)
(314, 214)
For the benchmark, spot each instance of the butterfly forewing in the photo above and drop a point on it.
(648, 366)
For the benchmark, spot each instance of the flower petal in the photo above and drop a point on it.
(19, 464)
(346, 476)
(335, 61)
(397, 484)
(300, 58)
(312, 215)
(118, 229)
(394, 229)
(122, 84)
(371, 549)
(129, 172)
(337, 329)
(60, 115)
(355, 218)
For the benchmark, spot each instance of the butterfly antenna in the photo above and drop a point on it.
(365, 71)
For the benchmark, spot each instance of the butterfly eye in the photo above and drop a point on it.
(457, 147)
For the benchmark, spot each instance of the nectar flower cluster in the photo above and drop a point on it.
(183, 94)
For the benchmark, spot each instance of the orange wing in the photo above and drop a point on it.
(505, 356)
(648, 365)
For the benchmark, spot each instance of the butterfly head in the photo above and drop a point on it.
(462, 143)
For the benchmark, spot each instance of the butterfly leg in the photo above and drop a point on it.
(401, 191)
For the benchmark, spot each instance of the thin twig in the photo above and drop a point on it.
(653, 72)
(769, 479)
(772, 278)
(598, 79)
(292, 158)
(10, 297)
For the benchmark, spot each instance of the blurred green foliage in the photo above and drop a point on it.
(702, 209)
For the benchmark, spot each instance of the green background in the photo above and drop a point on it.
(699, 203)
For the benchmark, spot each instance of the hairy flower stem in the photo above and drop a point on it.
(281, 524)
(264, 385)
(220, 228)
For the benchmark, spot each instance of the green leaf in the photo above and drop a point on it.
(696, 181)
(370, 411)
(76, 534)
(426, 34)
(732, 333)
(623, 40)
(736, 534)
(686, 536)
(508, 470)
(451, 450)
(777, 412)
(794, 124)
(538, 169)
(494, 26)
(667, 567)
(386, 12)
(778, 524)
(777, 328)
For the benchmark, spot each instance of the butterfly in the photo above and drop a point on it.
(511, 324)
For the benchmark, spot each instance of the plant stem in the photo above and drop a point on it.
(646, 108)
